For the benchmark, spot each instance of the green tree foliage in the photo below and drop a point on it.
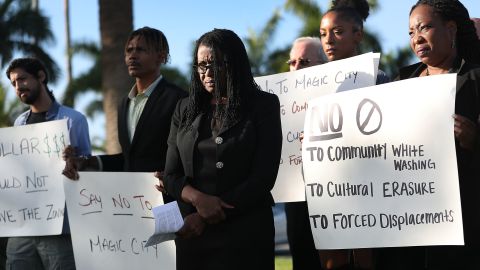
(9, 110)
(90, 80)
(175, 76)
(266, 62)
(257, 45)
(5, 120)
(310, 14)
(392, 61)
(25, 31)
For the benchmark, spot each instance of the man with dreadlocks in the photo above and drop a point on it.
(444, 39)
(144, 115)
(222, 161)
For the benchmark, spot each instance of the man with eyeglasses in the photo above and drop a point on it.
(144, 115)
(305, 52)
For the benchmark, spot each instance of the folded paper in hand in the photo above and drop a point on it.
(168, 220)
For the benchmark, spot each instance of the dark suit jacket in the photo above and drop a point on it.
(147, 151)
(249, 153)
(247, 160)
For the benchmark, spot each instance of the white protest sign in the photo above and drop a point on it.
(111, 220)
(380, 166)
(31, 191)
(294, 89)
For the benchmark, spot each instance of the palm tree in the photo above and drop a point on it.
(310, 13)
(116, 24)
(25, 30)
(66, 11)
(257, 45)
(91, 80)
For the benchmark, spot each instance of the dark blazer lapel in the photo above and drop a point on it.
(411, 71)
(123, 125)
(152, 101)
(196, 125)
(461, 79)
(188, 143)
(227, 125)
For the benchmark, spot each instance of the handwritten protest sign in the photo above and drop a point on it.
(380, 166)
(111, 220)
(294, 89)
(31, 192)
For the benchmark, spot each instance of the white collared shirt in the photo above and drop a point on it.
(137, 104)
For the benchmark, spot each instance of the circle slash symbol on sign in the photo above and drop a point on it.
(369, 117)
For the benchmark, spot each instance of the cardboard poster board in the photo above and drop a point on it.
(111, 221)
(380, 166)
(295, 89)
(31, 183)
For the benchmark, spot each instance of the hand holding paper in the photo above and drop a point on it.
(168, 220)
(194, 226)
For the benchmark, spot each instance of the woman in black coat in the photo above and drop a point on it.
(222, 161)
(444, 39)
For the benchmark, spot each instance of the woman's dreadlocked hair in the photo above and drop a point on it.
(467, 42)
(231, 58)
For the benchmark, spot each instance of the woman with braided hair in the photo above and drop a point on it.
(341, 34)
(341, 31)
(444, 39)
(222, 161)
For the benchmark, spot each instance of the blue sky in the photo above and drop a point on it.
(183, 21)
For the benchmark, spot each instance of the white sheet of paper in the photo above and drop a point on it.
(168, 220)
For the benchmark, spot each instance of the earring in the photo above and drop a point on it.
(453, 44)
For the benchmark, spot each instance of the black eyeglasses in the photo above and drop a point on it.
(202, 68)
(301, 62)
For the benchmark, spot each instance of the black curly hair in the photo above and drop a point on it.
(467, 42)
(32, 66)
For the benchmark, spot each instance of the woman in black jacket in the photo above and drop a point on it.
(222, 160)
(444, 39)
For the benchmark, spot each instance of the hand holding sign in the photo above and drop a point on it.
(110, 219)
(294, 90)
(465, 131)
(31, 190)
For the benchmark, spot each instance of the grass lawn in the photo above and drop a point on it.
(283, 263)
